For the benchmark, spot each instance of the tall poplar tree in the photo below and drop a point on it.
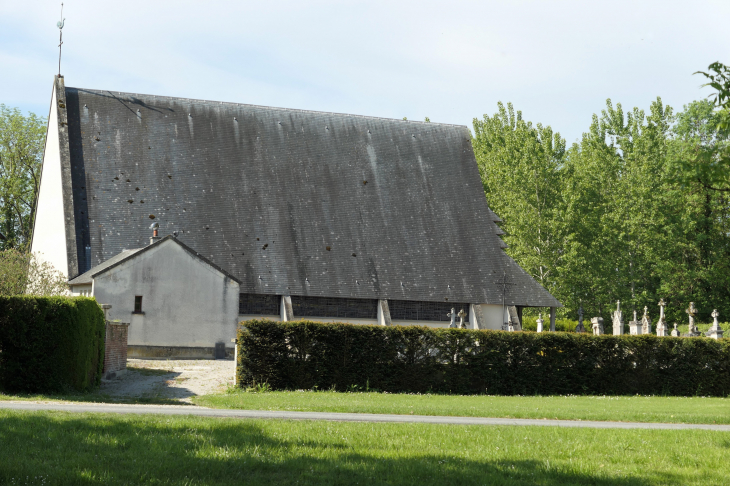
(521, 166)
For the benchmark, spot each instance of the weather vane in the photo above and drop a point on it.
(59, 24)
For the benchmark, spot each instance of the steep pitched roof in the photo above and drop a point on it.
(125, 255)
(290, 201)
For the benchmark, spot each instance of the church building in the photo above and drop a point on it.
(267, 212)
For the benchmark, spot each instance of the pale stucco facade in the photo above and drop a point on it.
(185, 301)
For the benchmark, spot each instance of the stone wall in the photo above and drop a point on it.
(115, 349)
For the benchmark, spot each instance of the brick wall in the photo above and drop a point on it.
(115, 354)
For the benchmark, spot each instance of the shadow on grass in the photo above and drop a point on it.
(137, 386)
(104, 450)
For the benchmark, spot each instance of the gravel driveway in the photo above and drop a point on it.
(171, 379)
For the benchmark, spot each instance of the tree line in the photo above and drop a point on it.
(637, 210)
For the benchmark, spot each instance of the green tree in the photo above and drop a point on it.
(698, 266)
(22, 140)
(706, 156)
(615, 217)
(521, 172)
(719, 76)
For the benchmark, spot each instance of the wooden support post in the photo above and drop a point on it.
(383, 313)
(287, 311)
(552, 319)
(235, 360)
(476, 318)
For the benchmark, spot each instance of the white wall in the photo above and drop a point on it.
(492, 313)
(49, 233)
(185, 301)
(85, 290)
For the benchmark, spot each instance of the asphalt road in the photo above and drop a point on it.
(338, 417)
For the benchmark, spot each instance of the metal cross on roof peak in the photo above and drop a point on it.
(60, 25)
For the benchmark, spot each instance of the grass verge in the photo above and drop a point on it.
(60, 448)
(693, 410)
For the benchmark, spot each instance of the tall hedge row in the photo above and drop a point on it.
(306, 355)
(50, 344)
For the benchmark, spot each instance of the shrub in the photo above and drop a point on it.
(50, 344)
(529, 323)
(25, 273)
(307, 355)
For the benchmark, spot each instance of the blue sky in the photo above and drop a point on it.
(452, 61)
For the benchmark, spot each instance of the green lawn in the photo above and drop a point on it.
(60, 448)
(694, 410)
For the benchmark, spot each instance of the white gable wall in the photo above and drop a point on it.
(49, 233)
(494, 316)
(185, 301)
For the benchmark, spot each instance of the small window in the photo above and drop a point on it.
(137, 304)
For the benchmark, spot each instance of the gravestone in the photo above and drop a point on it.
(646, 322)
(661, 325)
(597, 325)
(579, 327)
(461, 315)
(675, 331)
(715, 332)
(618, 320)
(452, 315)
(634, 326)
(692, 312)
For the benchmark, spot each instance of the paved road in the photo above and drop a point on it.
(341, 417)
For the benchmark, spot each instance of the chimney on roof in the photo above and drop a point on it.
(155, 227)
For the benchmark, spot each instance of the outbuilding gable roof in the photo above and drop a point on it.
(126, 255)
(87, 277)
(291, 202)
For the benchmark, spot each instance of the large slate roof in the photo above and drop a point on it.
(289, 201)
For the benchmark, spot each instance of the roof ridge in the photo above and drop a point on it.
(298, 110)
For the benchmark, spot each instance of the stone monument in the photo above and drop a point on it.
(715, 332)
(452, 315)
(461, 315)
(661, 325)
(579, 327)
(675, 331)
(540, 322)
(692, 312)
(597, 325)
(646, 322)
(618, 320)
(634, 326)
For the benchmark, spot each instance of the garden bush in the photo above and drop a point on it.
(415, 359)
(529, 323)
(50, 344)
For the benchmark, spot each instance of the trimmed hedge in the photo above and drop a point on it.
(50, 344)
(310, 355)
